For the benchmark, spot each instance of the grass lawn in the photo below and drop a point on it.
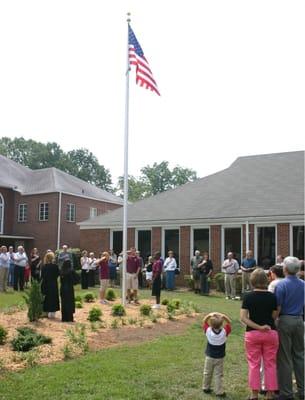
(167, 368)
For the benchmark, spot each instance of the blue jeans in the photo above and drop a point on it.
(204, 284)
(11, 275)
(170, 280)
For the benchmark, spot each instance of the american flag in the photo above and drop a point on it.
(144, 76)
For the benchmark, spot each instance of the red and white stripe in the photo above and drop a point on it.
(144, 76)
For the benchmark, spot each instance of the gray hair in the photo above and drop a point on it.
(197, 252)
(292, 265)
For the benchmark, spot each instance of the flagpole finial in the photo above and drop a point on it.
(128, 17)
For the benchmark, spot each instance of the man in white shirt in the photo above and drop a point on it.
(21, 260)
(230, 267)
(4, 266)
(170, 266)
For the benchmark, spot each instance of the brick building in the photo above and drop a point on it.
(256, 203)
(41, 208)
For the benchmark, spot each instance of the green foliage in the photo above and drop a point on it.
(155, 179)
(171, 307)
(95, 314)
(189, 281)
(31, 358)
(132, 321)
(35, 155)
(28, 338)
(67, 351)
(78, 298)
(118, 310)
(3, 335)
(78, 304)
(110, 295)
(176, 303)
(34, 300)
(78, 338)
(145, 310)
(219, 280)
(164, 302)
(89, 297)
(114, 323)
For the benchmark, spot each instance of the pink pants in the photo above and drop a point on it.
(262, 345)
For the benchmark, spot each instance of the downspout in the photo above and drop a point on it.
(247, 236)
(59, 220)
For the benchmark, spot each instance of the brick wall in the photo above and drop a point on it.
(283, 239)
(215, 246)
(96, 240)
(156, 239)
(185, 251)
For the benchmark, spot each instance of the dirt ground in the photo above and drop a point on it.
(131, 329)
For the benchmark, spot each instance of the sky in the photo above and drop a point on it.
(230, 73)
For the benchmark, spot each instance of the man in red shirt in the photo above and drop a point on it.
(132, 272)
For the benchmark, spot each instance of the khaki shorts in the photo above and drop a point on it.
(132, 281)
(104, 284)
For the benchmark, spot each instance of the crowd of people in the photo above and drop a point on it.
(272, 311)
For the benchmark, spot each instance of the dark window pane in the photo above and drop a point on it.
(144, 244)
(201, 240)
(266, 246)
(232, 238)
(171, 242)
(298, 241)
(117, 242)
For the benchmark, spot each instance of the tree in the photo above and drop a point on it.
(155, 179)
(35, 155)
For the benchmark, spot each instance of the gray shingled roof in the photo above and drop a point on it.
(254, 186)
(48, 180)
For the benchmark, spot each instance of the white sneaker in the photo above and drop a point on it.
(227, 298)
(156, 306)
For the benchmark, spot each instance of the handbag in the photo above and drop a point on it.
(177, 271)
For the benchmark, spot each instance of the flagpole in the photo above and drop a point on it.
(125, 217)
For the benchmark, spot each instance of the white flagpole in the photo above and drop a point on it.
(125, 217)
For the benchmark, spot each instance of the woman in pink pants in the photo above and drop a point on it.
(258, 312)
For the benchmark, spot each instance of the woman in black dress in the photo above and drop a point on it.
(156, 279)
(49, 285)
(205, 270)
(67, 292)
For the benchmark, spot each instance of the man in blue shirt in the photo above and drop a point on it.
(290, 299)
(248, 265)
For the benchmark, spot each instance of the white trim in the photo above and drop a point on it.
(24, 214)
(2, 213)
(193, 227)
(291, 236)
(70, 213)
(222, 251)
(192, 222)
(16, 237)
(43, 212)
(255, 237)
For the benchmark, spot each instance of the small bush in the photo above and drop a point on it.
(114, 324)
(110, 295)
(132, 321)
(78, 338)
(154, 318)
(176, 303)
(34, 300)
(27, 339)
(170, 307)
(67, 352)
(219, 280)
(145, 309)
(78, 298)
(78, 304)
(95, 314)
(165, 302)
(3, 335)
(31, 358)
(89, 297)
(118, 310)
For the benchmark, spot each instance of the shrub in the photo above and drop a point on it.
(78, 304)
(145, 309)
(164, 302)
(176, 303)
(132, 321)
(118, 310)
(28, 338)
(78, 338)
(189, 281)
(95, 314)
(114, 324)
(78, 298)
(34, 299)
(219, 280)
(110, 295)
(171, 307)
(89, 297)
(3, 335)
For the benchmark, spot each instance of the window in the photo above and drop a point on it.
(144, 244)
(298, 241)
(232, 242)
(93, 212)
(1, 212)
(117, 242)
(201, 240)
(171, 242)
(70, 213)
(22, 212)
(266, 246)
(43, 211)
